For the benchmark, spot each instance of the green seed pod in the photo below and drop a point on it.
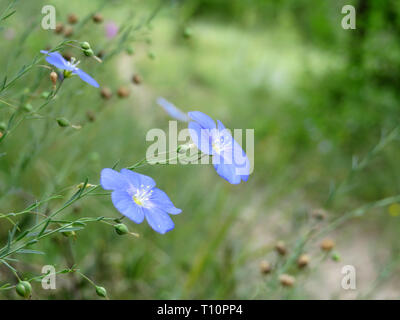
(85, 45)
(45, 94)
(121, 229)
(101, 291)
(151, 55)
(62, 122)
(335, 257)
(3, 126)
(27, 107)
(24, 289)
(187, 33)
(88, 52)
(130, 51)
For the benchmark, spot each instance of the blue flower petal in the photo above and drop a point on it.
(200, 137)
(113, 180)
(137, 179)
(227, 171)
(57, 60)
(125, 204)
(173, 111)
(160, 199)
(159, 220)
(85, 77)
(204, 120)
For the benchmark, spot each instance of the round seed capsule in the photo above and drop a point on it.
(327, 244)
(287, 280)
(265, 267)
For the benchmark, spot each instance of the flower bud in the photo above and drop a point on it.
(121, 229)
(85, 45)
(136, 79)
(265, 267)
(27, 107)
(123, 92)
(72, 18)
(62, 122)
(59, 28)
(88, 52)
(303, 261)
(106, 93)
(101, 291)
(3, 126)
(327, 244)
(286, 280)
(97, 18)
(280, 247)
(53, 77)
(24, 289)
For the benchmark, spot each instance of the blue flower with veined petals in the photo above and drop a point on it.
(135, 196)
(229, 159)
(57, 60)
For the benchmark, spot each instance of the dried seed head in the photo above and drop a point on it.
(68, 31)
(318, 214)
(123, 92)
(280, 247)
(265, 267)
(106, 93)
(303, 261)
(327, 244)
(53, 77)
(97, 18)
(90, 115)
(287, 280)
(59, 28)
(72, 18)
(136, 79)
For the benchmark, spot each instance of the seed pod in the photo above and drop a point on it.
(335, 256)
(59, 28)
(72, 18)
(303, 261)
(101, 291)
(187, 33)
(90, 115)
(318, 214)
(24, 289)
(45, 94)
(286, 280)
(280, 247)
(121, 229)
(97, 18)
(136, 79)
(106, 93)
(88, 52)
(85, 45)
(327, 244)
(62, 122)
(68, 31)
(27, 107)
(123, 92)
(53, 77)
(265, 267)
(3, 126)
(130, 51)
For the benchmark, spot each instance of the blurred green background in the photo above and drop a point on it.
(318, 97)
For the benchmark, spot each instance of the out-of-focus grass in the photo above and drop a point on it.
(262, 77)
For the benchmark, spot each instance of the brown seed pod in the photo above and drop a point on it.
(287, 280)
(136, 79)
(265, 267)
(97, 18)
(318, 214)
(106, 93)
(280, 247)
(90, 115)
(59, 28)
(327, 244)
(123, 92)
(53, 78)
(68, 31)
(303, 260)
(72, 18)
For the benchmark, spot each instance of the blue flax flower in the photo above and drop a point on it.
(173, 111)
(228, 158)
(70, 68)
(135, 196)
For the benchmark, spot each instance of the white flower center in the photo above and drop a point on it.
(142, 195)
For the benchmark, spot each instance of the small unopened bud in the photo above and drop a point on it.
(136, 79)
(106, 93)
(286, 280)
(53, 77)
(72, 18)
(24, 289)
(265, 267)
(62, 122)
(85, 45)
(68, 31)
(123, 92)
(327, 244)
(97, 18)
(59, 28)
(27, 107)
(318, 214)
(101, 291)
(88, 53)
(303, 261)
(121, 229)
(280, 247)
